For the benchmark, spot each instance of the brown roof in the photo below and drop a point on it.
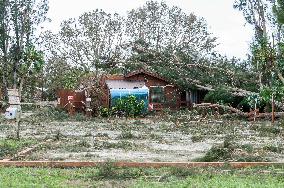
(142, 71)
(115, 77)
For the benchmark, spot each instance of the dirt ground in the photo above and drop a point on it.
(177, 137)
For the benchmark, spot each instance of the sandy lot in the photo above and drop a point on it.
(178, 137)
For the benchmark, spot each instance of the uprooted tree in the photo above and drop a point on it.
(156, 37)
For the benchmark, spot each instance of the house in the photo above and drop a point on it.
(157, 92)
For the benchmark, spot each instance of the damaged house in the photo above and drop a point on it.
(156, 91)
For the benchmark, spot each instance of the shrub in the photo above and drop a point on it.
(216, 154)
(220, 95)
(129, 106)
(105, 112)
(220, 153)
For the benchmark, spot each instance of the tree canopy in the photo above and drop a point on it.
(155, 37)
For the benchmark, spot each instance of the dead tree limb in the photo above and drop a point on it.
(229, 108)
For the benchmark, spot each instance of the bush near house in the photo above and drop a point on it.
(128, 107)
(220, 95)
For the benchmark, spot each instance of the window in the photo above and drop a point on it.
(157, 94)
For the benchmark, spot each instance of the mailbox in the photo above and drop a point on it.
(11, 113)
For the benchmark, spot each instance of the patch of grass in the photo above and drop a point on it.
(219, 180)
(216, 154)
(81, 145)
(181, 172)
(272, 148)
(247, 147)
(154, 136)
(197, 138)
(9, 147)
(116, 145)
(88, 134)
(52, 114)
(103, 135)
(230, 151)
(2, 118)
(126, 135)
(108, 171)
(80, 117)
(55, 114)
(109, 176)
(138, 122)
(58, 135)
(267, 130)
(252, 158)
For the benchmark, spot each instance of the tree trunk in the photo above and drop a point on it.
(4, 80)
(15, 76)
(21, 87)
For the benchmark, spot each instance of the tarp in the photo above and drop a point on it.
(140, 94)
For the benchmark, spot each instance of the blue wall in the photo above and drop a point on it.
(140, 94)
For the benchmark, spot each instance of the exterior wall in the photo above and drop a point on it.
(172, 95)
(174, 98)
(149, 80)
(78, 97)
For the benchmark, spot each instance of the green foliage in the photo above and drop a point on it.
(220, 95)
(220, 153)
(273, 148)
(105, 112)
(126, 145)
(11, 146)
(57, 114)
(70, 79)
(252, 101)
(18, 22)
(129, 106)
(248, 148)
(110, 176)
(278, 10)
(277, 91)
(197, 138)
(216, 154)
(52, 114)
(34, 60)
(126, 135)
(227, 152)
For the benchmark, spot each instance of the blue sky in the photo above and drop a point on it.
(227, 24)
